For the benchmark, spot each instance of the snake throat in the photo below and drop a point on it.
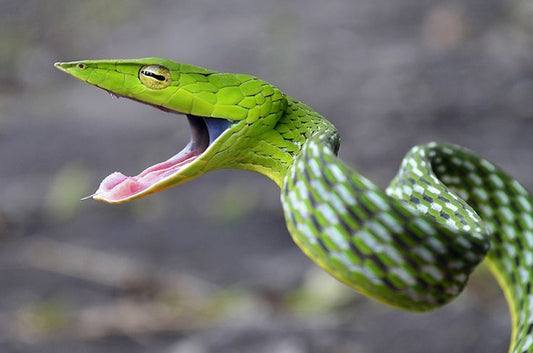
(118, 187)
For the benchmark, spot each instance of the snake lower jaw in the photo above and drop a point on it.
(120, 188)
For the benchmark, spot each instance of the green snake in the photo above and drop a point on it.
(411, 246)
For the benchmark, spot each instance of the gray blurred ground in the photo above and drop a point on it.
(208, 266)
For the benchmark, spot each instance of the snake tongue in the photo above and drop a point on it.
(118, 187)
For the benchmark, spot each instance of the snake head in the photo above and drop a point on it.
(225, 111)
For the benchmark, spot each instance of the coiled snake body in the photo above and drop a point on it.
(412, 246)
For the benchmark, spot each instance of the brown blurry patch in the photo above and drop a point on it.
(443, 27)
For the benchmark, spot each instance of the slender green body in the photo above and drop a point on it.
(412, 246)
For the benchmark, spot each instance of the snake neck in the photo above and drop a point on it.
(274, 152)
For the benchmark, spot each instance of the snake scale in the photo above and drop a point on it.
(411, 246)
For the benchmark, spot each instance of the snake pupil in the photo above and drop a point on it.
(153, 74)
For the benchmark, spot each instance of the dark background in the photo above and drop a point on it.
(209, 266)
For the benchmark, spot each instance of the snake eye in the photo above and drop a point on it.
(155, 76)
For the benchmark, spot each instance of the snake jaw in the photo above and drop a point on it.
(138, 80)
(119, 188)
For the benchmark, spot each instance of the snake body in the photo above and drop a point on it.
(411, 246)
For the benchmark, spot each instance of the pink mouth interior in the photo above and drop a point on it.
(117, 186)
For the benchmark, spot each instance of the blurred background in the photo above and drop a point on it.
(209, 266)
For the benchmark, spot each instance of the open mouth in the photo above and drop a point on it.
(118, 187)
